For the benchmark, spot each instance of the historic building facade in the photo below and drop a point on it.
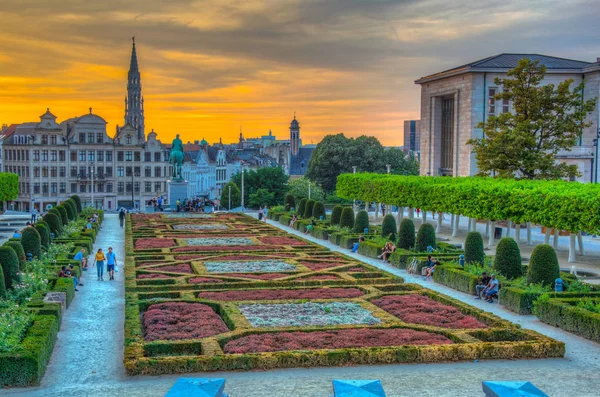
(455, 101)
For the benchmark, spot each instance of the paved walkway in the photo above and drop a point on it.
(87, 360)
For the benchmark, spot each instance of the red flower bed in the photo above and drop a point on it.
(181, 268)
(319, 265)
(281, 240)
(240, 257)
(318, 277)
(264, 276)
(180, 320)
(226, 248)
(143, 243)
(199, 280)
(273, 294)
(342, 339)
(357, 269)
(151, 275)
(419, 309)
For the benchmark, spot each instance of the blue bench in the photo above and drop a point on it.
(198, 387)
(358, 388)
(511, 389)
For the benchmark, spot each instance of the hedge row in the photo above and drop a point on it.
(565, 314)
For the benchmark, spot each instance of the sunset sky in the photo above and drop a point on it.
(210, 66)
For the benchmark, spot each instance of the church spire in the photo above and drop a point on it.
(134, 103)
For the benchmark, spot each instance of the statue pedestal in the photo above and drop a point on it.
(177, 191)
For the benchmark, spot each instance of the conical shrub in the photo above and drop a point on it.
(388, 227)
(44, 231)
(474, 248)
(58, 214)
(10, 266)
(70, 210)
(336, 214)
(425, 238)
(347, 218)
(318, 210)
(63, 214)
(290, 202)
(301, 207)
(508, 259)
(2, 284)
(53, 223)
(31, 242)
(73, 204)
(406, 234)
(308, 210)
(77, 200)
(361, 221)
(16, 245)
(543, 266)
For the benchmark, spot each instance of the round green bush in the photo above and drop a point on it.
(406, 234)
(301, 207)
(347, 218)
(16, 245)
(308, 209)
(361, 221)
(425, 238)
(73, 205)
(318, 210)
(70, 211)
(508, 259)
(474, 248)
(543, 266)
(10, 266)
(2, 284)
(31, 242)
(56, 212)
(63, 214)
(53, 223)
(388, 227)
(336, 214)
(290, 202)
(44, 231)
(77, 201)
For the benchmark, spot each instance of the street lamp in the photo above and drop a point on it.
(309, 190)
(229, 197)
(596, 157)
(92, 174)
(389, 167)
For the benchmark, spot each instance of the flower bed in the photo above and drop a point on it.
(320, 265)
(144, 243)
(419, 309)
(190, 215)
(240, 257)
(151, 275)
(200, 280)
(248, 266)
(281, 240)
(366, 337)
(321, 277)
(221, 248)
(310, 313)
(228, 241)
(278, 294)
(181, 268)
(180, 320)
(264, 276)
(207, 226)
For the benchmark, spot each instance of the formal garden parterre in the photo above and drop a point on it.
(226, 292)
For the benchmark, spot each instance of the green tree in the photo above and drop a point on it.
(308, 209)
(347, 218)
(299, 189)
(425, 238)
(543, 266)
(9, 186)
(236, 196)
(318, 210)
(290, 202)
(400, 163)
(273, 179)
(474, 248)
(545, 120)
(336, 214)
(388, 227)
(361, 222)
(10, 266)
(406, 234)
(508, 258)
(260, 198)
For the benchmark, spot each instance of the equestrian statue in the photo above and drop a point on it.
(176, 157)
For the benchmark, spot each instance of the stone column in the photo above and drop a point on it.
(438, 228)
(492, 230)
(555, 241)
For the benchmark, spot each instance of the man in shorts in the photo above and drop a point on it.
(111, 262)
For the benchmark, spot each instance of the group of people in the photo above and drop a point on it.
(262, 213)
(157, 203)
(429, 267)
(197, 204)
(310, 227)
(293, 220)
(111, 263)
(487, 287)
(388, 250)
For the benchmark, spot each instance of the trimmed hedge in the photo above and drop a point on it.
(77, 201)
(301, 207)
(347, 218)
(517, 300)
(58, 214)
(425, 238)
(388, 227)
(2, 284)
(336, 214)
(370, 249)
(73, 205)
(508, 259)
(565, 314)
(16, 245)
(318, 210)
(31, 242)
(290, 202)
(63, 214)
(455, 277)
(543, 266)
(53, 222)
(67, 286)
(474, 248)
(406, 234)
(308, 209)
(70, 211)
(44, 231)
(361, 222)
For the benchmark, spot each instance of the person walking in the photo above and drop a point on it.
(265, 213)
(260, 213)
(99, 262)
(122, 217)
(111, 263)
(33, 214)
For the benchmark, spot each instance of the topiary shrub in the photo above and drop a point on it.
(336, 214)
(53, 223)
(10, 266)
(290, 202)
(508, 258)
(308, 209)
(63, 214)
(58, 214)
(44, 231)
(77, 201)
(2, 284)
(301, 207)
(425, 238)
(318, 210)
(72, 203)
(361, 221)
(474, 248)
(31, 242)
(388, 227)
(347, 218)
(543, 266)
(70, 211)
(16, 245)
(406, 234)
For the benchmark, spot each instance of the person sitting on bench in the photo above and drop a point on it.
(491, 289)
(431, 269)
(388, 249)
(361, 238)
(484, 280)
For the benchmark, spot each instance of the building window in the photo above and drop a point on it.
(100, 172)
(137, 156)
(90, 137)
(119, 156)
(100, 187)
(147, 157)
(128, 171)
(53, 155)
(53, 188)
(157, 186)
(109, 155)
(505, 105)
(36, 155)
(120, 171)
(44, 172)
(26, 155)
(73, 188)
(62, 155)
(53, 172)
(36, 188)
(82, 172)
(73, 155)
(136, 187)
(137, 171)
(100, 155)
(447, 135)
(91, 155)
(44, 155)
(148, 172)
(36, 172)
(44, 139)
(82, 155)
(128, 156)
(109, 187)
(128, 139)
(82, 188)
(157, 157)
(74, 172)
(99, 137)
(128, 187)
(492, 101)
(82, 137)
(157, 171)
(120, 187)
(44, 187)
(147, 187)
(108, 172)
(62, 172)
(62, 187)
(53, 139)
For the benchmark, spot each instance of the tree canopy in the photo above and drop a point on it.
(545, 120)
(9, 186)
(271, 179)
(299, 189)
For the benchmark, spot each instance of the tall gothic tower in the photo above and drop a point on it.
(134, 102)
(294, 136)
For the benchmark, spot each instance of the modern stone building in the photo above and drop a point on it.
(77, 156)
(455, 101)
(412, 136)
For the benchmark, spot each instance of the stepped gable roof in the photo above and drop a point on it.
(506, 61)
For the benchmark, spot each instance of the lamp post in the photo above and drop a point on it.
(309, 190)
(596, 156)
(92, 174)
(229, 197)
(353, 200)
(389, 167)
